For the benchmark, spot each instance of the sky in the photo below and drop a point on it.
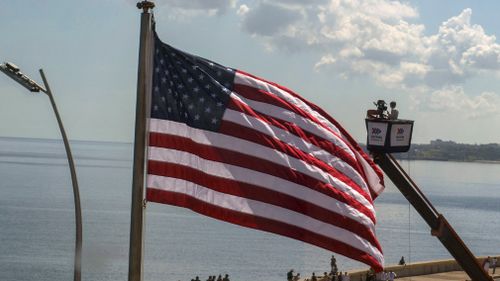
(439, 60)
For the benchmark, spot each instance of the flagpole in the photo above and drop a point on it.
(144, 80)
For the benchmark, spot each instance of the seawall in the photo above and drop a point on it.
(418, 268)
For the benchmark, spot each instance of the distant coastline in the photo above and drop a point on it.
(439, 150)
(436, 150)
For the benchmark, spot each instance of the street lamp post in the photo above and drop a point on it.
(13, 72)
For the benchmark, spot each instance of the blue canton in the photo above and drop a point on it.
(189, 89)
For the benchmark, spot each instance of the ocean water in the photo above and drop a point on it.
(37, 221)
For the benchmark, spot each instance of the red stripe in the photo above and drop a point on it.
(294, 129)
(351, 142)
(261, 223)
(242, 132)
(257, 164)
(258, 193)
(260, 95)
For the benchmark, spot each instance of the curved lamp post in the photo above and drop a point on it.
(13, 72)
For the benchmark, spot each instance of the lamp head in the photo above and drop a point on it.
(13, 72)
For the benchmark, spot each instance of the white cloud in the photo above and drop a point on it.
(269, 19)
(181, 9)
(380, 39)
(379, 36)
(242, 10)
(453, 99)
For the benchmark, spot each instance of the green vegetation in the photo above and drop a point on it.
(451, 151)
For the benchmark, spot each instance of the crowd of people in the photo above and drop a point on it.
(381, 276)
(336, 275)
(386, 275)
(333, 275)
(213, 278)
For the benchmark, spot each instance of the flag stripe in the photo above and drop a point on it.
(327, 198)
(233, 150)
(314, 145)
(372, 172)
(242, 78)
(269, 104)
(243, 206)
(255, 130)
(254, 192)
(262, 223)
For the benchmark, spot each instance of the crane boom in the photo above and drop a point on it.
(440, 227)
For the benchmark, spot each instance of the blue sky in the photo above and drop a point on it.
(439, 60)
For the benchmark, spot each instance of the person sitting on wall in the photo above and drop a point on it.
(402, 261)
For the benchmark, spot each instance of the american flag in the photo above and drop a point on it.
(238, 148)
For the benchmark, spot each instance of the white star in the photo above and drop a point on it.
(167, 72)
(201, 76)
(219, 104)
(207, 110)
(196, 89)
(185, 96)
(157, 89)
(163, 99)
(207, 86)
(155, 108)
(173, 54)
(180, 86)
(197, 117)
(202, 99)
(169, 109)
(157, 69)
(184, 70)
(191, 106)
(213, 95)
(214, 120)
(161, 61)
(190, 79)
(163, 80)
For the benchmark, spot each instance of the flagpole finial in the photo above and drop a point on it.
(145, 6)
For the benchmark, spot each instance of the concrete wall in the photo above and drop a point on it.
(414, 269)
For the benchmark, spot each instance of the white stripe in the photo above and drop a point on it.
(303, 122)
(269, 182)
(261, 209)
(371, 176)
(255, 150)
(290, 139)
(242, 79)
(298, 142)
